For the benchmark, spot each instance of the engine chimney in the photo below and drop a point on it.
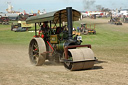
(69, 21)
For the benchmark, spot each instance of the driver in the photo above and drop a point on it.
(44, 27)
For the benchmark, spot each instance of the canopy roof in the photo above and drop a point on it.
(54, 16)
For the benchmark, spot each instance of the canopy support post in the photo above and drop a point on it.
(60, 19)
(35, 30)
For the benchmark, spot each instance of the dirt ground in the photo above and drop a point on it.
(16, 69)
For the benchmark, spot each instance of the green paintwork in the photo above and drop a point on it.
(60, 46)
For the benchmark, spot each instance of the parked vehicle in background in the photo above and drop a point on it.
(87, 29)
(124, 11)
(20, 26)
(4, 20)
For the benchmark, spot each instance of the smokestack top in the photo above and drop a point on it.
(69, 21)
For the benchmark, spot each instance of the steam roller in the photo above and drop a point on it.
(59, 45)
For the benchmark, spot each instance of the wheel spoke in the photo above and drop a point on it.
(35, 45)
(35, 51)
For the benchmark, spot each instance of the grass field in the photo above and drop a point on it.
(9, 37)
(110, 40)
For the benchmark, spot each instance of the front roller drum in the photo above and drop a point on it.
(79, 59)
(37, 48)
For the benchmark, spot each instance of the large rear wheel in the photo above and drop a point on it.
(36, 51)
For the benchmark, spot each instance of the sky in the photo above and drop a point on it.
(53, 5)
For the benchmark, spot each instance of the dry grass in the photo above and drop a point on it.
(109, 46)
